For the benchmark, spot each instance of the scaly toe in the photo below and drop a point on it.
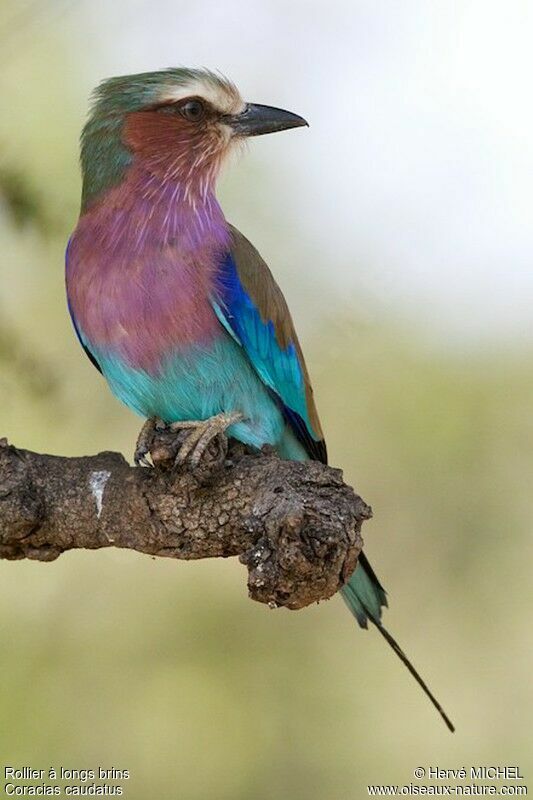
(201, 435)
(200, 447)
(185, 424)
(144, 442)
(215, 428)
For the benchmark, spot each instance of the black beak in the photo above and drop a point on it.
(256, 120)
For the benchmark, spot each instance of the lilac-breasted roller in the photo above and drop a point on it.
(171, 303)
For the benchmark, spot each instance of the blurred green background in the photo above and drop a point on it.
(399, 228)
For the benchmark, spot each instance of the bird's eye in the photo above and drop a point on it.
(193, 110)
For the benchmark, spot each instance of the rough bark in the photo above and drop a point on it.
(296, 526)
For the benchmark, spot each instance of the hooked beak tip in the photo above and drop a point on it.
(257, 120)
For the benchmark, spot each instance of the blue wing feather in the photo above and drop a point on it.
(278, 367)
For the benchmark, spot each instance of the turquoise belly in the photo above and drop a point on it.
(203, 382)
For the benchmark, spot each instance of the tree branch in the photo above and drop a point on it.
(294, 525)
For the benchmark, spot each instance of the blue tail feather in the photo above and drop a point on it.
(365, 597)
(363, 594)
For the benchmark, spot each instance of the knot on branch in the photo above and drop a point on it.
(296, 526)
(308, 525)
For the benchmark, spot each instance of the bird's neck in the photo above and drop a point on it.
(148, 209)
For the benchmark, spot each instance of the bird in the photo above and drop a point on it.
(171, 303)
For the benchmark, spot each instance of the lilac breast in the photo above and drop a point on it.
(140, 272)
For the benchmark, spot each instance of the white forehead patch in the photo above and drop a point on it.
(222, 96)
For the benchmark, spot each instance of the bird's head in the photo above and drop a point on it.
(177, 125)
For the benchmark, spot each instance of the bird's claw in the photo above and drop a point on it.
(202, 433)
(145, 441)
(190, 441)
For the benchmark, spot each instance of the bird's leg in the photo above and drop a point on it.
(202, 433)
(145, 440)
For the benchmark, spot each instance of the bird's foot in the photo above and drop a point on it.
(145, 441)
(200, 443)
(202, 433)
